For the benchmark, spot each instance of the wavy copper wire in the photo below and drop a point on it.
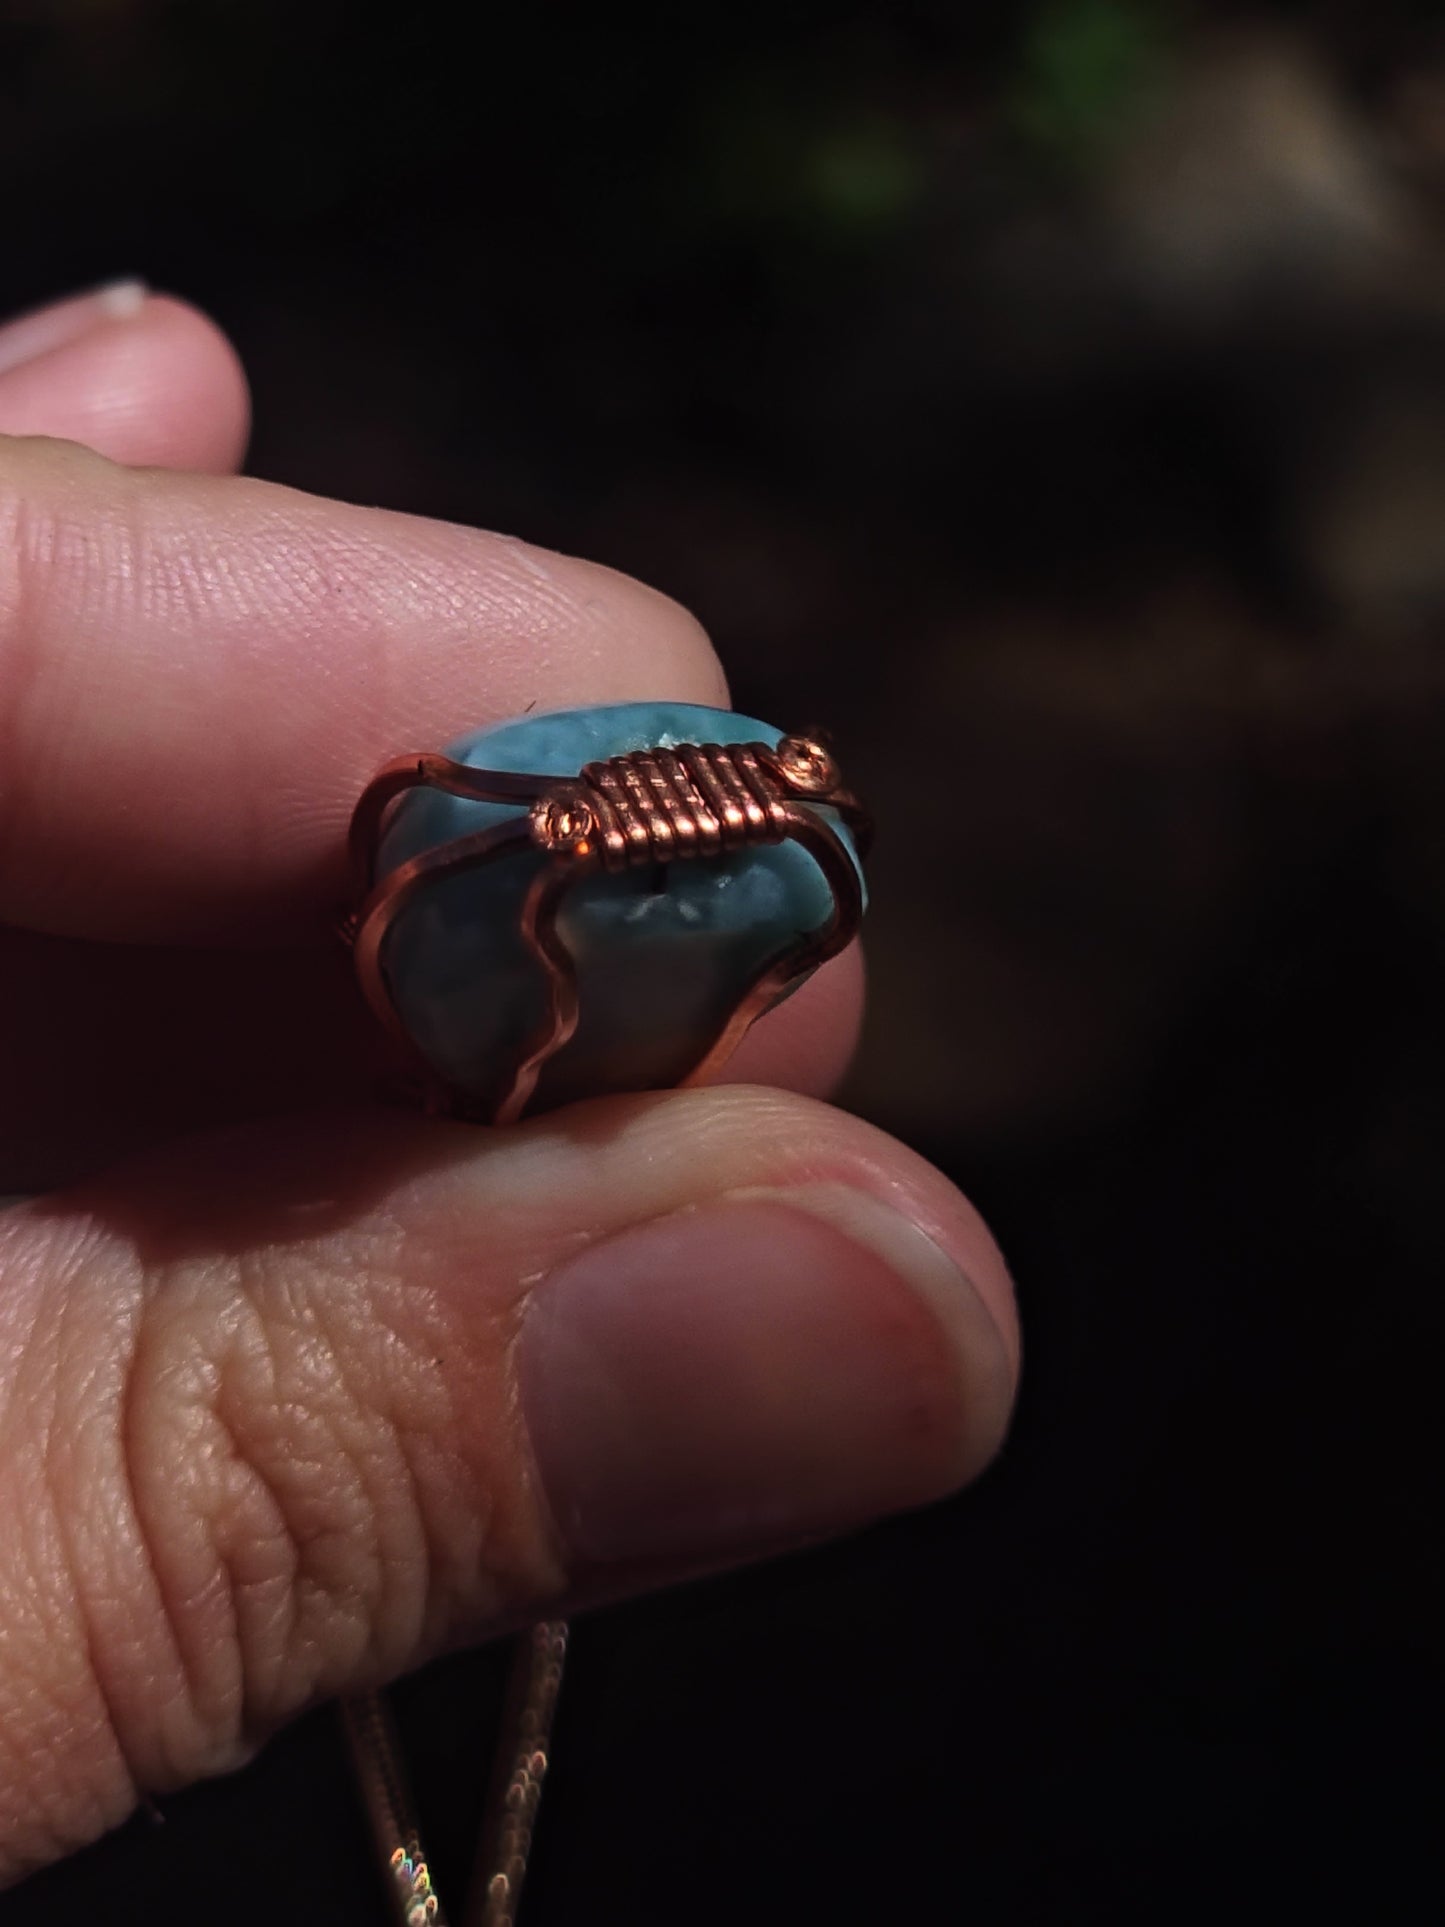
(645, 807)
(378, 914)
(544, 940)
(426, 771)
(795, 960)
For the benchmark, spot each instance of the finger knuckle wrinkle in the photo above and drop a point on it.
(64, 1774)
(296, 1553)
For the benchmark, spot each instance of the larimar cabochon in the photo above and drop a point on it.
(662, 952)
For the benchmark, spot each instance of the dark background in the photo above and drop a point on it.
(1052, 398)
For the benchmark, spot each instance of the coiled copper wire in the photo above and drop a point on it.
(656, 805)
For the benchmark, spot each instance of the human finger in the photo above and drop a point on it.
(139, 377)
(285, 1413)
(200, 674)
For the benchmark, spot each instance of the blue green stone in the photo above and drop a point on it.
(662, 953)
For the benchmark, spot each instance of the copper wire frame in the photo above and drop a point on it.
(648, 807)
(692, 802)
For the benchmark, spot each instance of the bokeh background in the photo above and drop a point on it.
(1051, 397)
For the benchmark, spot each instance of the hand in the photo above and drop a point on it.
(294, 1391)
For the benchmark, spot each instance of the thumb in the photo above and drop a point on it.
(280, 1417)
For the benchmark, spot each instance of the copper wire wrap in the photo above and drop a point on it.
(655, 805)
(650, 807)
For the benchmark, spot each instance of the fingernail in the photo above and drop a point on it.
(34, 334)
(764, 1368)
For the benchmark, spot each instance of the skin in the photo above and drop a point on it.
(296, 1391)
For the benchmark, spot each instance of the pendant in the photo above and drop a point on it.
(565, 906)
(597, 900)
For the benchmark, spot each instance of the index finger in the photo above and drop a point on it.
(199, 673)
